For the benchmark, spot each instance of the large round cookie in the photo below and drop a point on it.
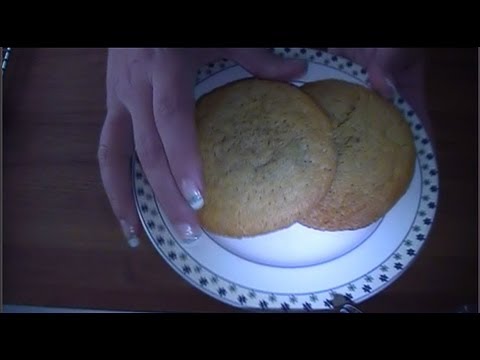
(376, 156)
(268, 156)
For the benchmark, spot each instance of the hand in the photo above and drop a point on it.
(405, 68)
(150, 110)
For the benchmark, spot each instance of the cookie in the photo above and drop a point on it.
(376, 156)
(268, 156)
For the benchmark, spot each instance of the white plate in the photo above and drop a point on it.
(300, 268)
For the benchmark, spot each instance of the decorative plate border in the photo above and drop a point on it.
(357, 290)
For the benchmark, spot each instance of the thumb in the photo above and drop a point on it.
(264, 64)
(380, 81)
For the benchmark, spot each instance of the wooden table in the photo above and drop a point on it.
(62, 245)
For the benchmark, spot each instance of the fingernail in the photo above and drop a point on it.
(187, 233)
(130, 234)
(192, 194)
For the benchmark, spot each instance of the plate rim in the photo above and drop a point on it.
(410, 117)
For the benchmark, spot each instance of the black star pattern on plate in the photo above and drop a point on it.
(232, 288)
(186, 269)
(430, 156)
(263, 304)
(307, 306)
(272, 298)
(420, 237)
(367, 288)
(252, 294)
(285, 306)
(140, 191)
(328, 303)
(427, 221)
(222, 292)
(383, 278)
(151, 224)
(197, 269)
(160, 240)
(431, 205)
(384, 268)
(410, 113)
(293, 299)
(313, 298)
(138, 175)
(242, 299)
(408, 242)
(433, 172)
(433, 188)
(422, 213)
(172, 255)
(410, 252)
(398, 266)
(203, 281)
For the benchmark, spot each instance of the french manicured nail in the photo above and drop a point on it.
(192, 194)
(187, 233)
(130, 234)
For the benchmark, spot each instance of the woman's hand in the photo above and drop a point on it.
(405, 68)
(150, 110)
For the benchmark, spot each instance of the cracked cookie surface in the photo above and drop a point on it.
(268, 156)
(376, 156)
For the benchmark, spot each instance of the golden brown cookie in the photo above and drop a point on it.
(268, 156)
(376, 156)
